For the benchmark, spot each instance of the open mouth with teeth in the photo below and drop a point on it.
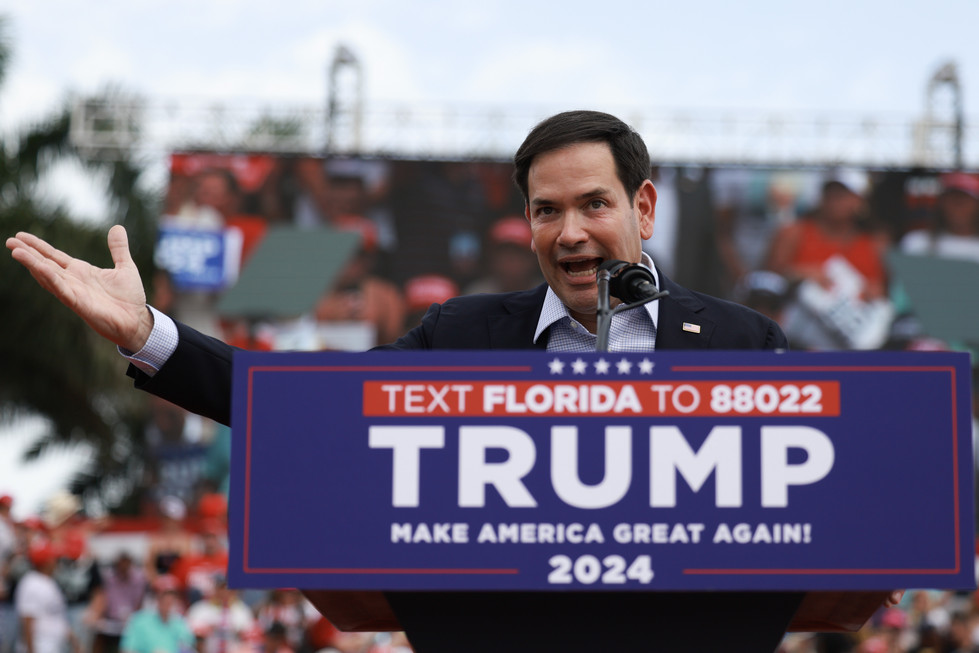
(582, 269)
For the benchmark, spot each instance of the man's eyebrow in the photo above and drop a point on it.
(597, 192)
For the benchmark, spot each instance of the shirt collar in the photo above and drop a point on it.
(554, 309)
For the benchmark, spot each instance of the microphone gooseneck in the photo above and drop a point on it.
(631, 283)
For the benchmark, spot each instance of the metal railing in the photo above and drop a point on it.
(763, 138)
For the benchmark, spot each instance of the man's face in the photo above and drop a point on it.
(580, 215)
(212, 544)
(841, 205)
(167, 602)
(960, 211)
(212, 190)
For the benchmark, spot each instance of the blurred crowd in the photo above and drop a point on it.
(928, 621)
(70, 583)
(836, 275)
(819, 251)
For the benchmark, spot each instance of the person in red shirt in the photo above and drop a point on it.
(800, 249)
(197, 572)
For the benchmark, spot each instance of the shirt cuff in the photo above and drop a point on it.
(159, 346)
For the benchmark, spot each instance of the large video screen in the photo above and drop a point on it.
(434, 229)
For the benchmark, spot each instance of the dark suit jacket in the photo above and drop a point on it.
(198, 375)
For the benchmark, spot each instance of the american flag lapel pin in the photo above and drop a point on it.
(692, 328)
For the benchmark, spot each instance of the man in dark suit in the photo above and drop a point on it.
(585, 179)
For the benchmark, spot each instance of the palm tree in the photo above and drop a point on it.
(53, 366)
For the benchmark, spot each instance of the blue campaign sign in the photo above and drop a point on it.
(197, 259)
(660, 471)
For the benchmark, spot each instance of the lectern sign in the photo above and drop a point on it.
(665, 471)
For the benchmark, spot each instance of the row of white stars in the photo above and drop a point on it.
(602, 366)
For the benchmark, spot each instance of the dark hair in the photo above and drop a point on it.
(632, 164)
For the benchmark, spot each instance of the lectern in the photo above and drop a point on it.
(559, 501)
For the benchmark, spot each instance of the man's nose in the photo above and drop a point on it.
(573, 230)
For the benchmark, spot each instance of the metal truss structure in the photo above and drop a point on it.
(347, 125)
(111, 128)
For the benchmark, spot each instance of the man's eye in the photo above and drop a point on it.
(597, 204)
(545, 210)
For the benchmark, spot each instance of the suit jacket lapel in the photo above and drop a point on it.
(514, 328)
(679, 319)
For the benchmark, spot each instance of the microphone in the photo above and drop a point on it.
(630, 282)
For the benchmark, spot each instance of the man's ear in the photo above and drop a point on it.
(646, 208)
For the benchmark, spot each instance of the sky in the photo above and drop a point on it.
(871, 57)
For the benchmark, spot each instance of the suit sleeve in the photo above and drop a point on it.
(775, 338)
(419, 337)
(197, 377)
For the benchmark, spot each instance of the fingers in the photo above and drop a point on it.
(21, 252)
(45, 263)
(27, 255)
(119, 246)
(45, 250)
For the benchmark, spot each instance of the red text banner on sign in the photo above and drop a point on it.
(595, 398)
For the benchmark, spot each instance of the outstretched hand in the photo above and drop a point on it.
(111, 301)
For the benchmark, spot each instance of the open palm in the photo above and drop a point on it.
(111, 301)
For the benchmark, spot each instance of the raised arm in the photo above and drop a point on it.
(111, 301)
